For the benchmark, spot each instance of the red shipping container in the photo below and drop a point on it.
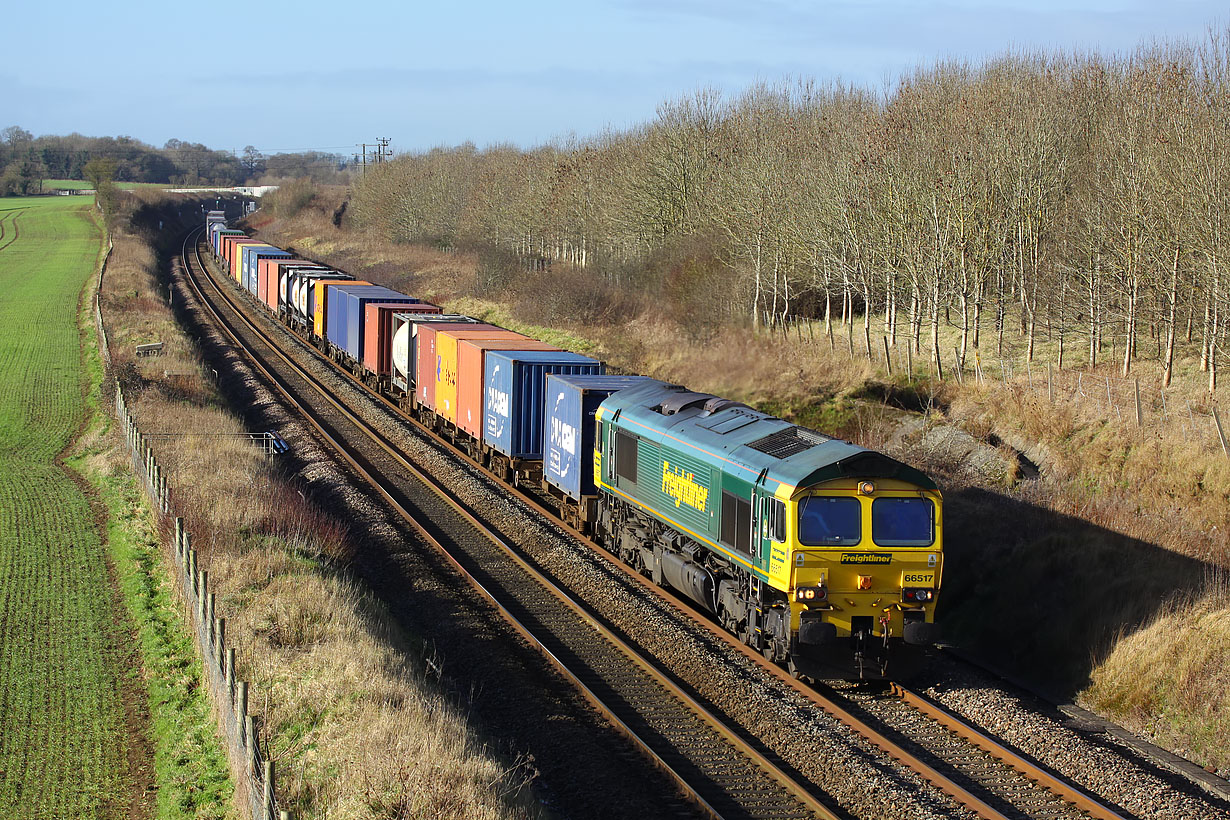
(378, 332)
(229, 243)
(470, 369)
(236, 257)
(425, 357)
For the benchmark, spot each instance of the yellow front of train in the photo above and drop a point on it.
(863, 561)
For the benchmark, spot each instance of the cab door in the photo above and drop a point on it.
(763, 521)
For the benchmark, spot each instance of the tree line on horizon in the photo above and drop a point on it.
(26, 160)
(1081, 196)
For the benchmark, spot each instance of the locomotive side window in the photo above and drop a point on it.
(830, 521)
(777, 520)
(625, 456)
(903, 522)
(736, 522)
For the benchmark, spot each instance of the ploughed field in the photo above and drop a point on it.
(62, 737)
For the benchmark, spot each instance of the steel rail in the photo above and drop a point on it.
(1002, 753)
(795, 789)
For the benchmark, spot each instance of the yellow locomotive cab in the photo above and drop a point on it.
(864, 557)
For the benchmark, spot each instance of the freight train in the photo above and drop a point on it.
(824, 556)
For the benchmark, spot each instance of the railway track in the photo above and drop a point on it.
(985, 777)
(723, 774)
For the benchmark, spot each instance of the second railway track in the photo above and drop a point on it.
(727, 771)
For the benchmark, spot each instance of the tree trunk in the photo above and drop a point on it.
(1172, 307)
(1129, 330)
(756, 298)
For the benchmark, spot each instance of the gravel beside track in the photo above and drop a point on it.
(1096, 761)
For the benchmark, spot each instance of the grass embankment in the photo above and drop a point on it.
(1045, 578)
(68, 745)
(191, 779)
(355, 730)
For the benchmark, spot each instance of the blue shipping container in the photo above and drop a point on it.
(344, 317)
(568, 448)
(514, 396)
(253, 254)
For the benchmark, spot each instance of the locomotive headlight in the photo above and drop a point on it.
(866, 488)
(810, 595)
(917, 596)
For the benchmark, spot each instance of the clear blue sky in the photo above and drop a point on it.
(311, 75)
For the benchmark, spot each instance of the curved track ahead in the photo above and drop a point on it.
(714, 766)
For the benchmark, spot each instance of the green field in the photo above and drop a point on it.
(63, 674)
(83, 184)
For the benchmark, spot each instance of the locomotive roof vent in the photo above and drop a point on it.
(788, 442)
(715, 404)
(682, 401)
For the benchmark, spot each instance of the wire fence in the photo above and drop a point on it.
(240, 732)
(1125, 400)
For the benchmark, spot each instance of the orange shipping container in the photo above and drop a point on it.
(445, 365)
(426, 362)
(269, 273)
(471, 354)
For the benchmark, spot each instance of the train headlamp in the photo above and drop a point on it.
(810, 595)
(917, 596)
(866, 488)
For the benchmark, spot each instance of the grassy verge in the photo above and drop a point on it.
(190, 776)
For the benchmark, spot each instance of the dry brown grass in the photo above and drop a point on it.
(356, 731)
(1170, 678)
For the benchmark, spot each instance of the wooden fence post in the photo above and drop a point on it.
(1050, 383)
(1221, 434)
(241, 712)
(202, 592)
(1139, 415)
(268, 790)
